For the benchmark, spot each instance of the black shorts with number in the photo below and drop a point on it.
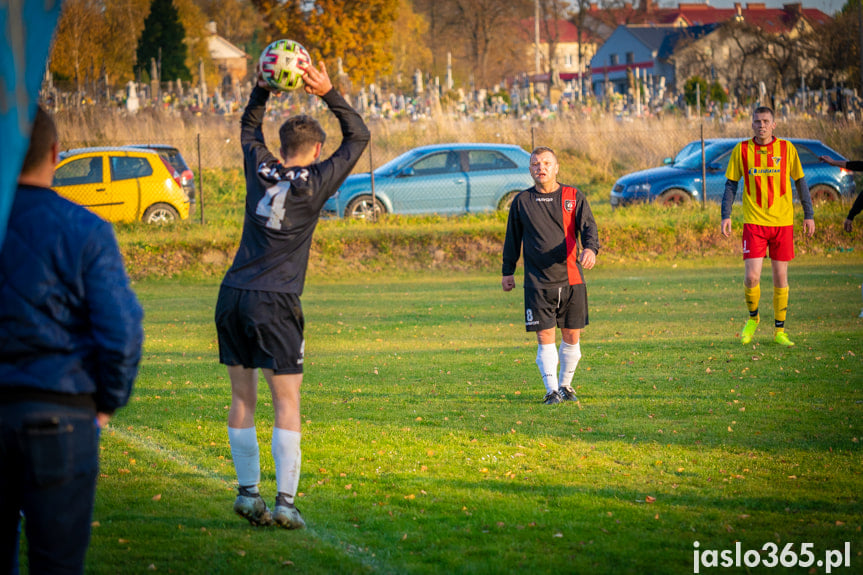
(260, 329)
(564, 307)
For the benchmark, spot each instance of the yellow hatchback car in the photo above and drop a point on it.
(122, 184)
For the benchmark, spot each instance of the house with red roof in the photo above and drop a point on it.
(669, 45)
(571, 51)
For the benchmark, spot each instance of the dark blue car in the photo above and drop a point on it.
(679, 181)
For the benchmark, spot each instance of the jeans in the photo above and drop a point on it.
(49, 460)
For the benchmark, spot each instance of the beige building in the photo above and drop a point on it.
(232, 64)
(571, 54)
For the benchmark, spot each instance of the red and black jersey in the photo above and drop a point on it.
(549, 228)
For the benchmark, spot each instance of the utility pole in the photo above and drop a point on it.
(536, 36)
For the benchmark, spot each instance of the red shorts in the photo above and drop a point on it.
(780, 240)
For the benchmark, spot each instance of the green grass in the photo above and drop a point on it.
(426, 448)
(402, 244)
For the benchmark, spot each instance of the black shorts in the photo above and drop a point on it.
(260, 329)
(564, 307)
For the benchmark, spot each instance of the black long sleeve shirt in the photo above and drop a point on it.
(549, 227)
(283, 203)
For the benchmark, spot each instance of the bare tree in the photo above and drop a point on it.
(479, 34)
(77, 45)
(837, 48)
(124, 21)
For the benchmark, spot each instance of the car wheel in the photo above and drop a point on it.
(506, 201)
(822, 194)
(673, 197)
(361, 208)
(160, 214)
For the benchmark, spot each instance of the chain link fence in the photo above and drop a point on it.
(210, 167)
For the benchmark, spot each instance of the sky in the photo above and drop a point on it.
(826, 6)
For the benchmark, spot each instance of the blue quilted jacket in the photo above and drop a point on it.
(70, 325)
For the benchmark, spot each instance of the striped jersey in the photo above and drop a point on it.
(767, 172)
(547, 229)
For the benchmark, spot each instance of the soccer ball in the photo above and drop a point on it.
(283, 63)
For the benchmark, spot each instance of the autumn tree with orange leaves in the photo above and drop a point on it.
(358, 33)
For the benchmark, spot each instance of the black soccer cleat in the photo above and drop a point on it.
(567, 393)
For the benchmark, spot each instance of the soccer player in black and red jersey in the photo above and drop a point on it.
(857, 207)
(259, 318)
(549, 220)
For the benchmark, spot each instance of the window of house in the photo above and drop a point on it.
(630, 58)
(613, 59)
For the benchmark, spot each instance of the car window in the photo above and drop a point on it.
(713, 154)
(124, 168)
(397, 163)
(175, 159)
(439, 163)
(483, 160)
(77, 172)
(722, 161)
(806, 155)
(686, 151)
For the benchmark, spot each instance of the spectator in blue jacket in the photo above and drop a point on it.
(70, 344)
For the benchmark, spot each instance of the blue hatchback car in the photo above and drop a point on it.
(679, 181)
(438, 179)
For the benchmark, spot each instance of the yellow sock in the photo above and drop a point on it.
(753, 297)
(780, 307)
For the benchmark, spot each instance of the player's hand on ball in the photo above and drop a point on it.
(588, 259)
(316, 80)
(259, 79)
(507, 282)
(848, 225)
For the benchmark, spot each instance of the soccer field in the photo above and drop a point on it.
(426, 448)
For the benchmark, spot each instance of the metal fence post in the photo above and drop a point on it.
(703, 171)
(200, 180)
(372, 175)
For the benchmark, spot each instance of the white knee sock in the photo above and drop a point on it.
(286, 453)
(569, 356)
(244, 452)
(546, 360)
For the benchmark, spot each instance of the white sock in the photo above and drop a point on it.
(546, 361)
(286, 453)
(569, 356)
(244, 452)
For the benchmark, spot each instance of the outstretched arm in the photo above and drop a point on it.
(727, 202)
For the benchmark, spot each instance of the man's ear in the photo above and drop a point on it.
(318, 147)
(55, 154)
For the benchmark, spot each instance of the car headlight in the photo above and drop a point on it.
(638, 189)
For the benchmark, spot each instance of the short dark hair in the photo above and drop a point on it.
(42, 137)
(543, 150)
(300, 133)
(764, 110)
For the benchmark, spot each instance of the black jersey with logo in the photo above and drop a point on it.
(283, 203)
(549, 227)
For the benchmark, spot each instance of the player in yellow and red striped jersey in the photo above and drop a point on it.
(766, 165)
